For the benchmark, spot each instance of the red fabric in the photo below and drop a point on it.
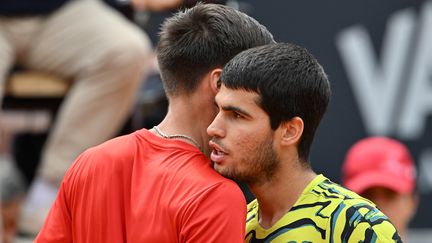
(142, 188)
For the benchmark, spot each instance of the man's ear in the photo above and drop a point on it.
(215, 79)
(292, 131)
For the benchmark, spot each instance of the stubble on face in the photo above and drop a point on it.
(256, 167)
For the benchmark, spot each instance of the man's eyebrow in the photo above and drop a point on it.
(235, 109)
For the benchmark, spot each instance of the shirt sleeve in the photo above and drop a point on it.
(57, 227)
(216, 215)
(366, 224)
(58, 224)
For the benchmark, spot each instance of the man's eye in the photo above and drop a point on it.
(237, 115)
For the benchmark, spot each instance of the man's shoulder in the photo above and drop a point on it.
(116, 149)
(199, 173)
(356, 216)
(221, 193)
(114, 145)
(334, 195)
(105, 155)
(220, 188)
(326, 211)
(339, 200)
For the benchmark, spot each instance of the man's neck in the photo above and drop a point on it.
(189, 118)
(277, 196)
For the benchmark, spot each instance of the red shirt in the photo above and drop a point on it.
(143, 188)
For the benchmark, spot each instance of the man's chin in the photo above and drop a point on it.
(234, 175)
(221, 170)
(217, 168)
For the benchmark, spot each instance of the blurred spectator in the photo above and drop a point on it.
(11, 194)
(383, 171)
(163, 5)
(103, 54)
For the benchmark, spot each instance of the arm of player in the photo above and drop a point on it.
(57, 227)
(58, 224)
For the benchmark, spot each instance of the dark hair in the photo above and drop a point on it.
(207, 36)
(290, 82)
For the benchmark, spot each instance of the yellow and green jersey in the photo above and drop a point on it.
(324, 212)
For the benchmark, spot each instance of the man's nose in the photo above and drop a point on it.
(215, 128)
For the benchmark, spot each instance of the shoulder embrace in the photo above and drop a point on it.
(112, 151)
(227, 193)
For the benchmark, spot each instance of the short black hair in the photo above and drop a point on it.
(290, 83)
(207, 36)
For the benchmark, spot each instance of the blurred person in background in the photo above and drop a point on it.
(163, 5)
(103, 54)
(382, 170)
(158, 185)
(12, 191)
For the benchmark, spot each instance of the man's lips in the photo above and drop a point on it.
(217, 154)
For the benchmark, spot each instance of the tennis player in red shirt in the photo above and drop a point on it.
(158, 185)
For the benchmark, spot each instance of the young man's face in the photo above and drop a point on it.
(242, 139)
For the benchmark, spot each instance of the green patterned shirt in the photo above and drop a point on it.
(324, 212)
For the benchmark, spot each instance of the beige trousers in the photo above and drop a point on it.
(101, 52)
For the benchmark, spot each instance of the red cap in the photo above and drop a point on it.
(379, 162)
